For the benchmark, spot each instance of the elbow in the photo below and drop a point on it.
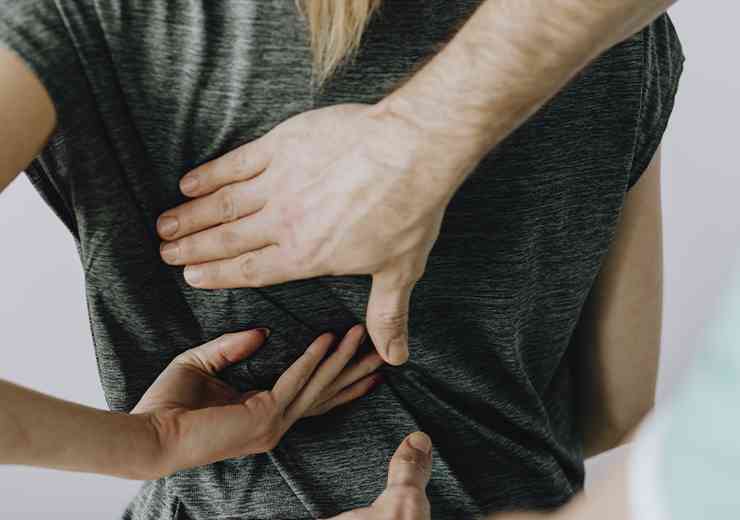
(609, 431)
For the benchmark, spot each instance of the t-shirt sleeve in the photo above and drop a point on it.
(35, 31)
(663, 67)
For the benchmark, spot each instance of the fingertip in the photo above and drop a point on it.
(397, 352)
(189, 184)
(352, 339)
(355, 335)
(420, 441)
(252, 338)
(167, 226)
(411, 465)
(378, 379)
(193, 276)
(362, 330)
(323, 343)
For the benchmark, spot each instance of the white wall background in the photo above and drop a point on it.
(45, 340)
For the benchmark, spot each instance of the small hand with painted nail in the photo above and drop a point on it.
(198, 419)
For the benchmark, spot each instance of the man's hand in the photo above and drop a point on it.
(343, 190)
(405, 496)
(199, 419)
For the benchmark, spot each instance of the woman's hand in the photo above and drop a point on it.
(405, 495)
(342, 190)
(199, 419)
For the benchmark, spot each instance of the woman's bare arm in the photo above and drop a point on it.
(618, 337)
(27, 117)
(172, 426)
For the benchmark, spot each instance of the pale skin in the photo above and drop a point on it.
(171, 428)
(250, 225)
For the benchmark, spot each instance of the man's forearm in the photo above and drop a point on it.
(38, 430)
(510, 58)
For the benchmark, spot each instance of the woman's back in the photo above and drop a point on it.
(147, 90)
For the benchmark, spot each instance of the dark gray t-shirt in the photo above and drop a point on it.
(146, 90)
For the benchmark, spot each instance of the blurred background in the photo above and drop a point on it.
(702, 230)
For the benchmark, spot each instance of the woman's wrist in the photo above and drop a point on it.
(43, 431)
(151, 458)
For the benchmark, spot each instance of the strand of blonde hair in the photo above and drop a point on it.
(337, 28)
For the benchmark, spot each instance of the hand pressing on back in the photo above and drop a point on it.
(405, 495)
(199, 419)
(343, 190)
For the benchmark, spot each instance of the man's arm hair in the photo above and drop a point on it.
(27, 116)
(509, 59)
(506, 61)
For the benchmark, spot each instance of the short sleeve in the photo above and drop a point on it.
(663, 66)
(35, 31)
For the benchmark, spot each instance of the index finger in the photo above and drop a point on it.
(290, 384)
(240, 164)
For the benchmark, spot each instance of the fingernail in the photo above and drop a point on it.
(169, 252)
(421, 442)
(193, 275)
(167, 226)
(265, 331)
(397, 351)
(188, 184)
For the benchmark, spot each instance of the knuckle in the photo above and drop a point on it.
(244, 162)
(224, 339)
(202, 361)
(404, 278)
(227, 207)
(269, 428)
(284, 218)
(248, 268)
(392, 320)
(289, 218)
(312, 260)
(317, 410)
(311, 355)
(183, 358)
(409, 502)
(230, 241)
(416, 458)
(268, 440)
(185, 248)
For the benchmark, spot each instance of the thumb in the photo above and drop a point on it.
(214, 356)
(411, 465)
(388, 317)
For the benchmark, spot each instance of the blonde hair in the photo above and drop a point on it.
(336, 27)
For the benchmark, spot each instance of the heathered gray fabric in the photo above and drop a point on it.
(146, 90)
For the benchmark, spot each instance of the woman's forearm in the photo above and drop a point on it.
(39, 430)
(507, 61)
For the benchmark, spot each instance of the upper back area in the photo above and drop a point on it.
(146, 90)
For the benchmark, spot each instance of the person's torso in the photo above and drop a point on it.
(174, 84)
